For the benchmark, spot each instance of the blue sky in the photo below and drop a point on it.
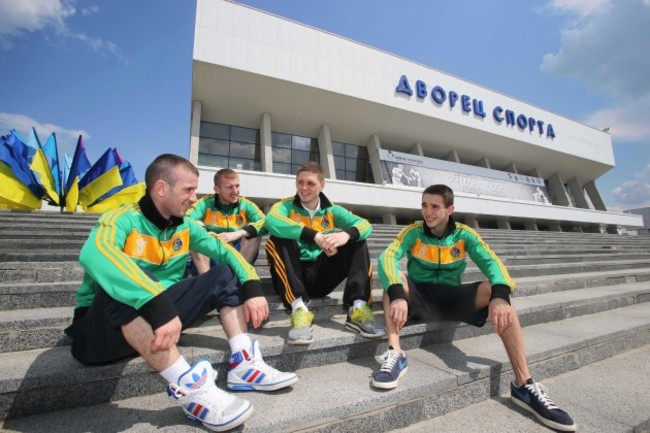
(119, 72)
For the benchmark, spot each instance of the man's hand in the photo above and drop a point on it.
(167, 336)
(399, 310)
(231, 237)
(332, 241)
(256, 310)
(500, 314)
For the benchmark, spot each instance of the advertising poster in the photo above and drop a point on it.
(418, 171)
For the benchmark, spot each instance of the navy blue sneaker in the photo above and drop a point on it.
(393, 366)
(533, 397)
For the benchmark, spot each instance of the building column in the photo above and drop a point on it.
(417, 149)
(575, 187)
(195, 132)
(559, 196)
(453, 157)
(554, 226)
(325, 149)
(266, 149)
(375, 165)
(594, 195)
(503, 223)
(483, 162)
(512, 168)
(471, 221)
(531, 225)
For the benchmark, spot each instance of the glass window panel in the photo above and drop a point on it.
(281, 155)
(301, 143)
(338, 148)
(351, 164)
(295, 168)
(215, 130)
(213, 160)
(245, 135)
(244, 150)
(241, 164)
(299, 157)
(280, 140)
(279, 167)
(314, 156)
(339, 162)
(340, 174)
(363, 153)
(350, 175)
(351, 151)
(213, 146)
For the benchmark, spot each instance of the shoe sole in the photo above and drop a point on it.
(389, 385)
(241, 418)
(545, 421)
(260, 387)
(356, 328)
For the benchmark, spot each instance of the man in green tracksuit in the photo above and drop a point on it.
(314, 245)
(436, 250)
(233, 218)
(133, 299)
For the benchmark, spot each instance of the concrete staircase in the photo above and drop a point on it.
(581, 299)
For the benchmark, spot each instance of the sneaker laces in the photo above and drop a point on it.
(541, 392)
(390, 358)
(300, 318)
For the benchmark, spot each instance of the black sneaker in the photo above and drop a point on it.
(533, 397)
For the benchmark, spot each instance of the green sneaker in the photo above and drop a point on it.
(362, 321)
(301, 330)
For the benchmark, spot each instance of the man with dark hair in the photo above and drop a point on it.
(314, 245)
(436, 251)
(133, 299)
(233, 218)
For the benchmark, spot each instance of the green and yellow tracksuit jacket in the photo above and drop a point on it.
(442, 260)
(288, 219)
(135, 238)
(220, 218)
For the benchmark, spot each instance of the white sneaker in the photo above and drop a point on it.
(249, 372)
(203, 402)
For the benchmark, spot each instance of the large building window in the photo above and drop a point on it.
(229, 146)
(292, 151)
(351, 162)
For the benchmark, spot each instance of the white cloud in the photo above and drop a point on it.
(582, 7)
(626, 121)
(634, 193)
(49, 16)
(607, 51)
(66, 138)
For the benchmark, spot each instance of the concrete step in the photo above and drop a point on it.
(43, 327)
(20, 294)
(588, 392)
(442, 378)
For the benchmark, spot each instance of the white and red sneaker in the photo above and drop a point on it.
(249, 372)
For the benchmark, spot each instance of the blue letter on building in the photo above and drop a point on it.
(453, 97)
(464, 101)
(421, 89)
(403, 86)
(549, 131)
(438, 94)
(496, 113)
(478, 107)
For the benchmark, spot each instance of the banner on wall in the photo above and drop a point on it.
(418, 171)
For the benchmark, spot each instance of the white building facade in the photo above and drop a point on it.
(269, 94)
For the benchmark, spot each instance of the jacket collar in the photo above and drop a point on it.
(324, 201)
(451, 227)
(225, 207)
(151, 213)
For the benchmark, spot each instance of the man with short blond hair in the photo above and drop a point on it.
(232, 217)
(133, 299)
(314, 245)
